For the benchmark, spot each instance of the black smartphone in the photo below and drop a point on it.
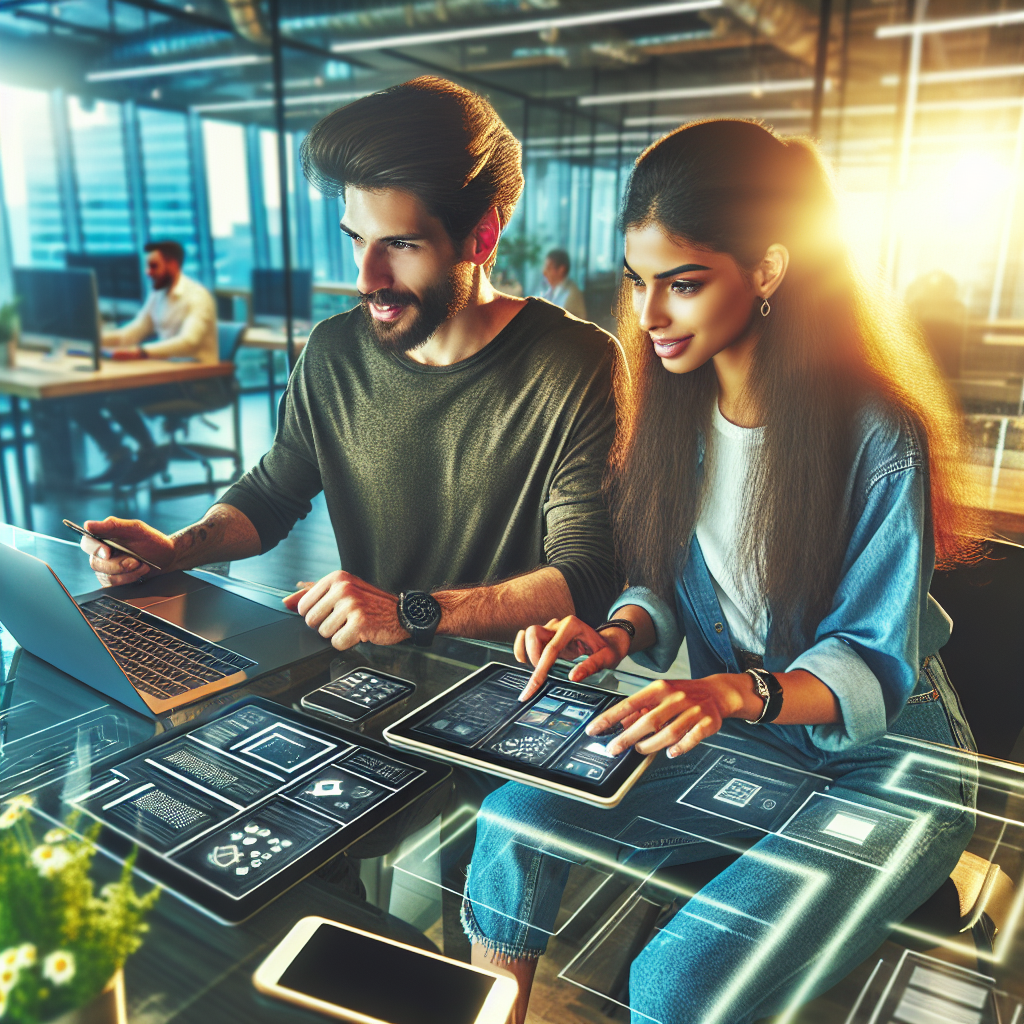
(358, 694)
(110, 543)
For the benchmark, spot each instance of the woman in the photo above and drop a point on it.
(784, 473)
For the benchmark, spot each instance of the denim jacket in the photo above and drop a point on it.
(883, 623)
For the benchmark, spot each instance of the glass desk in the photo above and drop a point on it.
(967, 966)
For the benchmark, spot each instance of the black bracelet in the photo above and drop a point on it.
(619, 624)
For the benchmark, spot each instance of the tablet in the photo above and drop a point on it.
(480, 722)
(231, 810)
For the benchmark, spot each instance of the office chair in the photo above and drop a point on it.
(983, 657)
(199, 398)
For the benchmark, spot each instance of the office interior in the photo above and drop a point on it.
(125, 121)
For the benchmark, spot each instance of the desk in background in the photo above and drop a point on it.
(36, 377)
(270, 340)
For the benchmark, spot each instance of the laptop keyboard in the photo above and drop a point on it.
(159, 659)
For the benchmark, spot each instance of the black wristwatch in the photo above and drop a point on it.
(769, 689)
(420, 614)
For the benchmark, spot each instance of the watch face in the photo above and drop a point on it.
(420, 609)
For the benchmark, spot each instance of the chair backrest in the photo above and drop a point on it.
(985, 654)
(229, 337)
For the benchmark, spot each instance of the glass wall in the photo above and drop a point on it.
(97, 144)
(31, 188)
(168, 181)
(227, 182)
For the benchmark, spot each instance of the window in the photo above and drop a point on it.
(30, 181)
(228, 186)
(97, 142)
(170, 211)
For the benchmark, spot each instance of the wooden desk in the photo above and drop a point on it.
(37, 377)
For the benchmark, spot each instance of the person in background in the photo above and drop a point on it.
(183, 316)
(561, 289)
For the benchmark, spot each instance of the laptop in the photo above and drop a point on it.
(155, 645)
(480, 722)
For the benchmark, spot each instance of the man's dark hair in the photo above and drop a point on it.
(560, 258)
(170, 250)
(429, 137)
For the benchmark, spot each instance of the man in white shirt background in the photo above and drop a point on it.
(561, 290)
(183, 316)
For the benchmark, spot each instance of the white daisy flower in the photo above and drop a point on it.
(9, 957)
(24, 801)
(3, 1003)
(55, 835)
(59, 967)
(8, 978)
(10, 816)
(26, 955)
(48, 860)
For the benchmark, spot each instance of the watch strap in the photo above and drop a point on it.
(769, 689)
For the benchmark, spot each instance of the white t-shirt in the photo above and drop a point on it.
(718, 530)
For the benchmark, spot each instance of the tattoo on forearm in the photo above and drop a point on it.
(222, 532)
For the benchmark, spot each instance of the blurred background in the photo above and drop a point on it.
(124, 121)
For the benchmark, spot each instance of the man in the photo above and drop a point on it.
(561, 290)
(183, 315)
(459, 434)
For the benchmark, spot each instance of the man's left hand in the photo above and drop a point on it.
(347, 611)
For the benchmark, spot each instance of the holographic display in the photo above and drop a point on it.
(234, 802)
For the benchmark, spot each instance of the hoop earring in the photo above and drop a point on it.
(765, 307)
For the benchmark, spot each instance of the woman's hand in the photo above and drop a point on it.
(570, 638)
(677, 713)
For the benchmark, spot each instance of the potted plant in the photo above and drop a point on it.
(10, 331)
(62, 944)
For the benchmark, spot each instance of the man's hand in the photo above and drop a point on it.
(677, 713)
(347, 610)
(571, 637)
(113, 568)
(121, 354)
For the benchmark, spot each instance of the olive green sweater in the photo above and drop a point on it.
(444, 476)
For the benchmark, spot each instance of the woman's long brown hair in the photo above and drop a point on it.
(829, 346)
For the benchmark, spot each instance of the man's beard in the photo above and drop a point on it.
(436, 306)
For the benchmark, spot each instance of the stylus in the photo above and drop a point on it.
(119, 547)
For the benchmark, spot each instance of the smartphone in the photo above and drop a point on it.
(110, 544)
(358, 694)
(355, 976)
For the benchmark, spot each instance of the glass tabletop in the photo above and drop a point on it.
(191, 968)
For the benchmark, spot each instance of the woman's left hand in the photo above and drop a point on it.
(675, 713)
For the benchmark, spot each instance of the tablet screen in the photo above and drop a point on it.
(391, 983)
(544, 737)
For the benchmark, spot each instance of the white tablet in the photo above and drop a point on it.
(355, 976)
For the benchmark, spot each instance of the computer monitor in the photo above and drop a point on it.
(268, 293)
(59, 303)
(118, 275)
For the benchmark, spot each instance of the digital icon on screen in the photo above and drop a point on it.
(285, 747)
(340, 794)
(225, 856)
(739, 793)
(250, 848)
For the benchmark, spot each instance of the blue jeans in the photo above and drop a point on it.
(790, 917)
